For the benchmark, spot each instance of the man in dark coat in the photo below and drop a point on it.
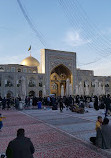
(53, 103)
(71, 101)
(8, 103)
(3, 103)
(61, 104)
(17, 103)
(20, 147)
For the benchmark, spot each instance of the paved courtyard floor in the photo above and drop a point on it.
(54, 134)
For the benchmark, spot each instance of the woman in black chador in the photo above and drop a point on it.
(96, 103)
(61, 104)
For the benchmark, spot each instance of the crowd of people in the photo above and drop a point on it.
(74, 103)
(8, 103)
(78, 103)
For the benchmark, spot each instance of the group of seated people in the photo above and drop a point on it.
(103, 134)
(77, 108)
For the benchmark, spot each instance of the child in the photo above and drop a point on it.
(98, 123)
(1, 123)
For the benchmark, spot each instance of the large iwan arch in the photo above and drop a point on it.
(58, 77)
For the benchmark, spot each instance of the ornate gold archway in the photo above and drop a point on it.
(58, 77)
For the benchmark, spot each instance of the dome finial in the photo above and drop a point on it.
(30, 50)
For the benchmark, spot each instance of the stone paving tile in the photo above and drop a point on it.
(52, 117)
(63, 121)
(70, 151)
(92, 118)
(38, 112)
(49, 141)
(51, 138)
(85, 135)
(23, 122)
(31, 128)
(4, 143)
(70, 128)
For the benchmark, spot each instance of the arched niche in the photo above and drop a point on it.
(9, 94)
(31, 94)
(58, 77)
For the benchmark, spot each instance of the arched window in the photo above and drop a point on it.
(54, 86)
(9, 94)
(34, 71)
(8, 83)
(107, 84)
(92, 84)
(40, 84)
(31, 93)
(18, 83)
(40, 93)
(32, 82)
(19, 70)
(84, 84)
(1, 69)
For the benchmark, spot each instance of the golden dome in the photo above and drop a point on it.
(30, 61)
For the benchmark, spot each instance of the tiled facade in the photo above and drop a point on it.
(11, 74)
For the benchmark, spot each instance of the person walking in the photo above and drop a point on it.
(107, 103)
(20, 147)
(17, 103)
(61, 104)
(3, 103)
(96, 103)
(8, 103)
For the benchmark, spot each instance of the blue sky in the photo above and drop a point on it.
(82, 26)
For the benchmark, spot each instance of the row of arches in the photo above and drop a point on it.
(31, 83)
(58, 78)
(10, 94)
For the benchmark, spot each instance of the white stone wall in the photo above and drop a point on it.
(17, 76)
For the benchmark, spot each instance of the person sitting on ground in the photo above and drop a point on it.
(98, 125)
(76, 108)
(103, 138)
(20, 147)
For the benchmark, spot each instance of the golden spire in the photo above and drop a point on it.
(30, 50)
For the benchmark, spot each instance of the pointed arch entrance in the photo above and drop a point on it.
(9, 94)
(31, 94)
(58, 77)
